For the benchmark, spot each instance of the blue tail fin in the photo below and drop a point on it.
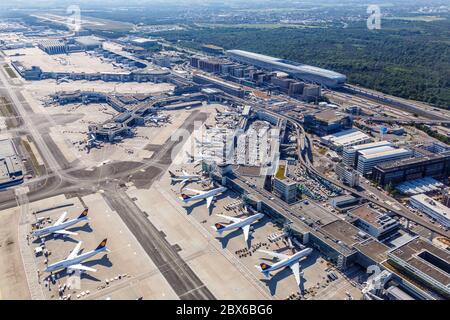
(101, 245)
(84, 213)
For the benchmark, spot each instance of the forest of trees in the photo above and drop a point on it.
(409, 59)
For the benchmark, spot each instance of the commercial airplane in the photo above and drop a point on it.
(208, 195)
(244, 224)
(157, 119)
(59, 227)
(185, 177)
(73, 261)
(292, 262)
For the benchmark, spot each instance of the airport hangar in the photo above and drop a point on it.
(326, 78)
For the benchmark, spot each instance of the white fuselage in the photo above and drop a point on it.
(289, 261)
(69, 262)
(62, 226)
(243, 223)
(210, 193)
(188, 177)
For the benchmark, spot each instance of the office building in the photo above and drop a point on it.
(296, 70)
(395, 172)
(311, 91)
(431, 208)
(347, 175)
(350, 154)
(373, 221)
(327, 122)
(285, 187)
(370, 158)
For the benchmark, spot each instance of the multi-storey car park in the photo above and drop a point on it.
(297, 70)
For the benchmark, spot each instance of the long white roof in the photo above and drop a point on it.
(386, 153)
(369, 145)
(346, 137)
(294, 66)
(434, 205)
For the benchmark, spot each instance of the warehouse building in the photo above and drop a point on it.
(370, 158)
(431, 208)
(52, 46)
(299, 71)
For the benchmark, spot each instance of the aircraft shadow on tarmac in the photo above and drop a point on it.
(202, 202)
(103, 261)
(284, 273)
(85, 228)
(238, 232)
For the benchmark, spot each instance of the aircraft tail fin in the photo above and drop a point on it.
(264, 267)
(185, 196)
(84, 213)
(101, 245)
(219, 227)
(172, 175)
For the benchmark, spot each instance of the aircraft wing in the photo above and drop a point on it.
(61, 219)
(65, 232)
(232, 219)
(196, 191)
(246, 230)
(279, 256)
(296, 271)
(209, 201)
(81, 267)
(184, 181)
(75, 251)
